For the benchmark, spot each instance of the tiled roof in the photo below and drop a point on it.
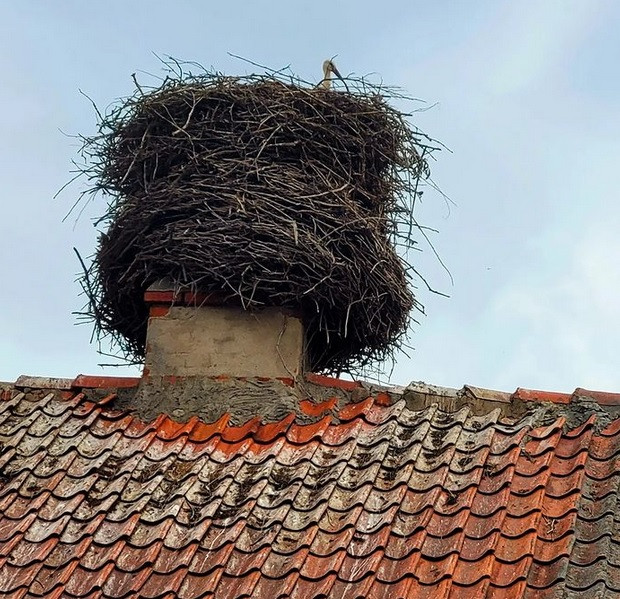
(372, 499)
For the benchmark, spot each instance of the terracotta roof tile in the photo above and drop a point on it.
(372, 500)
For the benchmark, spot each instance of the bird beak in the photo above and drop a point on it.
(334, 70)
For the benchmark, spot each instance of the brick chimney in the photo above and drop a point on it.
(200, 335)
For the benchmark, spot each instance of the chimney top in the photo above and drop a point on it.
(194, 334)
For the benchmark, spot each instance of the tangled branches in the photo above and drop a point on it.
(272, 192)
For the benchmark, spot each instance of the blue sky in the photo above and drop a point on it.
(527, 97)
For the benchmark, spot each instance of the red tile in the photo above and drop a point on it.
(119, 583)
(16, 577)
(431, 572)
(600, 397)
(274, 588)
(560, 486)
(390, 570)
(236, 586)
(316, 568)
(279, 565)
(400, 589)
(514, 549)
(171, 559)
(480, 589)
(315, 410)
(84, 381)
(354, 568)
(525, 485)
(507, 574)
(234, 434)
(240, 564)
(301, 434)
(551, 550)
(566, 466)
(516, 589)
(267, 433)
(485, 505)
(474, 549)
(605, 447)
(25, 552)
(355, 410)
(203, 431)
(402, 547)
(131, 559)
(343, 589)
(206, 561)
(468, 573)
(83, 581)
(571, 446)
(199, 585)
(517, 526)
(612, 429)
(305, 588)
(156, 582)
(441, 547)
(533, 395)
(545, 575)
(523, 505)
(558, 507)
(327, 381)
(170, 429)
(584, 554)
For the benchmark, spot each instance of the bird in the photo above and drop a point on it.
(329, 69)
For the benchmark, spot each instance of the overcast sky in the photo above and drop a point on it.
(527, 99)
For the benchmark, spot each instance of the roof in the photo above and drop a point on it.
(373, 498)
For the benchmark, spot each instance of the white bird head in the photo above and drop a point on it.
(329, 69)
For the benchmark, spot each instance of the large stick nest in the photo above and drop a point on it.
(267, 190)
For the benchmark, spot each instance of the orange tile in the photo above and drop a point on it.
(533, 395)
(267, 433)
(301, 434)
(315, 410)
(354, 410)
(327, 381)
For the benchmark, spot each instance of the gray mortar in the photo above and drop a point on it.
(576, 413)
(242, 399)
(209, 399)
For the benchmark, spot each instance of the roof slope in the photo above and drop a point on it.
(383, 501)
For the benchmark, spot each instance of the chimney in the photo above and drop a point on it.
(200, 335)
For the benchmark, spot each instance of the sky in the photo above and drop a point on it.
(525, 97)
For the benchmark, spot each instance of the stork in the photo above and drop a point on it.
(329, 69)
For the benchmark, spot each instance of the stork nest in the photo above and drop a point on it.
(268, 191)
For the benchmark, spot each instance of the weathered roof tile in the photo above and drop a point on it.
(372, 500)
